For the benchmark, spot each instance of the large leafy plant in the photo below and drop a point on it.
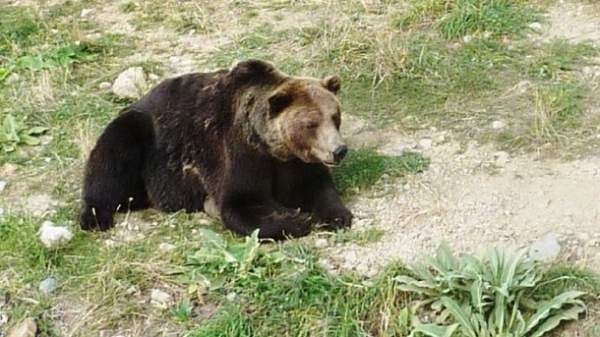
(14, 133)
(488, 297)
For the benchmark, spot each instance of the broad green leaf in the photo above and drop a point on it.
(36, 130)
(212, 237)
(553, 321)
(28, 140)
(555, 303)
(31, 62)
(460, 315)
(434, 330)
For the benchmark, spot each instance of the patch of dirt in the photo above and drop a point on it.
(474, 197)
(575, 22)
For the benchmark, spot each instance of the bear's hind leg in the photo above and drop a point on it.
(113, 178)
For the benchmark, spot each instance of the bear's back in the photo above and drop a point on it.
(181, 94)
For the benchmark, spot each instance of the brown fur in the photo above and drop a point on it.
(251, 138)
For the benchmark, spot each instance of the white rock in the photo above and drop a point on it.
(467, 38)
(53, 236)
(153, 77)
(130, 84)
(161, 298)
(166, 247)
(321, 243)
(48, 285)
(425, 144)
(104, 86)
(2, 185)
(86, 12)
(26, 328)
(536, 26)
(498, 125)
(545, 249)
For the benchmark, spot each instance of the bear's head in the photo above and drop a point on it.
(304, 120)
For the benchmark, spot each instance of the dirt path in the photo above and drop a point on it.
(474, 197)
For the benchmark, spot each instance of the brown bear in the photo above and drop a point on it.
(252, 140)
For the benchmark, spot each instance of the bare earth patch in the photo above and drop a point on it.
(474, 197)
(575, 22)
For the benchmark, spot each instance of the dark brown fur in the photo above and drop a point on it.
(227, 135)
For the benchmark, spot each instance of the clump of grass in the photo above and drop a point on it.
(557, 108)
(266, 291)
(363, 167)
(360, 238)
(456, 18)
(17, 26)
(491, 296)
(557, 57)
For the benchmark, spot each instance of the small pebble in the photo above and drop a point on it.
(536, 26)
(321, 243)
(48, 286)
(160, 298)
(425, 144)
(86, 12)
(498, 125)
(166, 247)
(105, 86)
(2, 185)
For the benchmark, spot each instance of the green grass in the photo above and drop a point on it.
(456, 18)
(363, 168)
(285, 292)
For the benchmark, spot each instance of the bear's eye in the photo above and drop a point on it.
(312, 125)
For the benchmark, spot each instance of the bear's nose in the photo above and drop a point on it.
(339, 153)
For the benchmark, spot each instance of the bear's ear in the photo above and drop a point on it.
(278, 101)
(332, 83)
(256, 70)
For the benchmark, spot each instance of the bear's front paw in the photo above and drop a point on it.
(297, 225)
(91, 220)
(336, 218)
(281, 226)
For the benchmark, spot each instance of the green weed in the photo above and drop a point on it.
(14, 133)
(491, 296)
(362, 168)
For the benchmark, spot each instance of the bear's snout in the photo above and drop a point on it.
(339, 153)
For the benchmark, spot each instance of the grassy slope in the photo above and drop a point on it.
(404, 63)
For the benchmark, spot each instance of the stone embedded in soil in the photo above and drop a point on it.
(26, 328)
(498, 125)
(425, 144)
(160, 298)
(321, 243)
(130, 84)
(86, 12)
(53, 236)
(166, 247)
(105, 86)
(536, 26)
(48, 286)
(545, 249)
